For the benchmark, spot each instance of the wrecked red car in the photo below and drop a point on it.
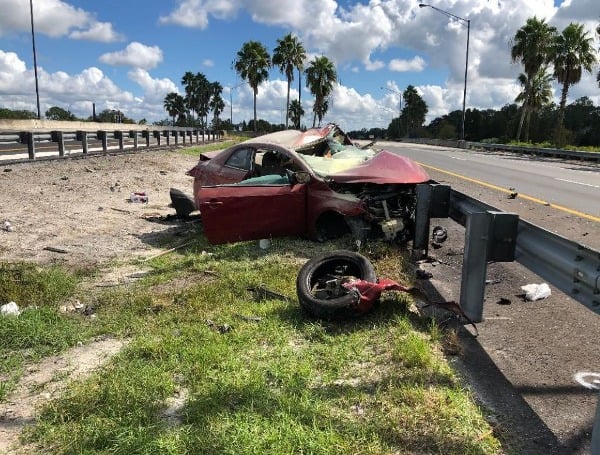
(315, 183)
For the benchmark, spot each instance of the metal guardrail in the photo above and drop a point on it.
(556, 153)
(116, 139)
(493, 235)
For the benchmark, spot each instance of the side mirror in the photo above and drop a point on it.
(302, 177)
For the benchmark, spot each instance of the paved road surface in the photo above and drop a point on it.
(571, 184)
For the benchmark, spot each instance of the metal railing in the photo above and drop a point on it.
(549, 152)
(493, 235)
(81, 142)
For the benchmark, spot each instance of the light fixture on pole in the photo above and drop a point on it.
(399, 107)
(37, 91)
(468, 24)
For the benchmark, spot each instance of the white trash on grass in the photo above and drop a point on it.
(536, 291)
(10, 309)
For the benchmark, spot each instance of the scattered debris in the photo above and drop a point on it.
(7, 169)
(248, 318)
(10, 309)
(120, 210)
(221, 328)
(6, 226)
(439, 234)
(262, 293)
(170, 250)
(264, 244)
(513, 195)
(55, 250)
(504, 301)
(138, 196)
(536, 291)
(495, 281)
(421, 274)
(64, 177)
(72, 307)
(87, 169)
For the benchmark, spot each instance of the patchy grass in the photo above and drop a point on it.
(195, 151)
(252, 376)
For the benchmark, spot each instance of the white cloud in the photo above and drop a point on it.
(208, 63)
(155, 90)
(195, 13)
(54, 18)
(416, 64)
(136, 54)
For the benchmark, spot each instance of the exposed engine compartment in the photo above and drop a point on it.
(390, 207)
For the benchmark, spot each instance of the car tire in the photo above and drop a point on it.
(338, 303)
(182, 203)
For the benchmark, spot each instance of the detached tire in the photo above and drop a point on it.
(318, 284)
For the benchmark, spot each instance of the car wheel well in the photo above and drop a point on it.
(331, 225)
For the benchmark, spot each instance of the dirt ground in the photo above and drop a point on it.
(81, 207)
(521, 368)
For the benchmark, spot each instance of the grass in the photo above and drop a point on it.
(195, 151)
(247, 376)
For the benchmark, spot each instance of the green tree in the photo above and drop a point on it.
(58, 113)
(598, 75)
(17, 115)
(320, 79)
(414, 110)
(537, 92)
(252, 64)
(295, 113)
(216, 104)
(174, 104)
(532, 46)
(572, 54)
(287, 56)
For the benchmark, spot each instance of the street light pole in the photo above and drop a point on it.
(468, 24)
(37, 91)
(399, 107)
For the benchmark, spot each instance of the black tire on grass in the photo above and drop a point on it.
(340, 263)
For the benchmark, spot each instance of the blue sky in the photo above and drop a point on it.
(129, 54)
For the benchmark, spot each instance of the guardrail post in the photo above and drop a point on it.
(134, 135)
(82, 136)
(474, 267)
(433, 201)
(29, 139)
(157, 136)
(119, 136)
(59, 138)
(176, 134)
(146, 135)
(168, 136)
(103, 136)
(489, 236)
(197, 136)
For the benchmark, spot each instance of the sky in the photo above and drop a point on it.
(128, 54)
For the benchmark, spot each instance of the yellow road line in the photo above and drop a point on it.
(522, 196)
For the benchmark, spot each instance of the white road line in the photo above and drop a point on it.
(579, 183)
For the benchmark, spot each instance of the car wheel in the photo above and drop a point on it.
(319, 284)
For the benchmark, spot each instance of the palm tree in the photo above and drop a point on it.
(252, 64)
(572, 53)
(295, 113)
(189, 85)
(532, 46)
(288, 55)
(216, 103)
(536, 94)
(174, 104)
(320, 78)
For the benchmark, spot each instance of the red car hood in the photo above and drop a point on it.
(385, 167)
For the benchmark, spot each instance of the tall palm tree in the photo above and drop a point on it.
(572, 54)
(174, 104)
(295, 113)
(252, 64)
(320, 79)
(288, 55)
(532, 46)
(216, 103)
(536, 94)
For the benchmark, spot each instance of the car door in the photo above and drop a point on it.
(232, 213)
